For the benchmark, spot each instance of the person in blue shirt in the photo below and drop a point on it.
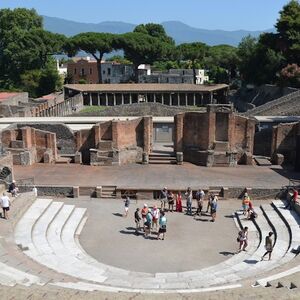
(162, 225)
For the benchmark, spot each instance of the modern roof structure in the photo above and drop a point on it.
(146, 87)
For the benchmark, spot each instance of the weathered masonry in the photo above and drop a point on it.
(167, 94)
(218, 137)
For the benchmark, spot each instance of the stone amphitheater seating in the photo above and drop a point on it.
(48, 234)
(288, 105)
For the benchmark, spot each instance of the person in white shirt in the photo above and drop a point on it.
(5, 203)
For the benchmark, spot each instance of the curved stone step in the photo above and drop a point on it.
(61, 260)
(292, 220)
(23, 229)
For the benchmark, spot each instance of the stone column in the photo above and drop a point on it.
(91, 102)
(178, 132)
(122, 97)
(194, 99)
(186, 99)
(211, 97)
(170, 100)
(178, 99)
(154, 97)
(162, 98)
(98, 95)
(130, 98)
(115, 100)
(148, 126)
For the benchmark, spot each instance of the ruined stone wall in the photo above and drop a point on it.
(284, 141)
(65, 138)
(195, 130)
(29, 145)
(128, 134)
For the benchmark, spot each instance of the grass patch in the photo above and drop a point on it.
(90, 109)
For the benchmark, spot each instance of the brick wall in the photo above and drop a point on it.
(284, 141)
(196, 132)
(28, 145)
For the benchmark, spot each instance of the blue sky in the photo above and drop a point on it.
(207, 14)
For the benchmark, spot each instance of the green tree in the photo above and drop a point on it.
(141, 48)
(193, 52)
(155, 30)
(95, 43)
(25, 47)
(288, 28)
(222, 63)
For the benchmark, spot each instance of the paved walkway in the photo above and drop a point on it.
(155, 176)
(190, 244)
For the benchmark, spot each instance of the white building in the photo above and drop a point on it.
(175, 76)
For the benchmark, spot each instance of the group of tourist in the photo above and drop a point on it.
(168, 197)
(242, 239)
(151, 219)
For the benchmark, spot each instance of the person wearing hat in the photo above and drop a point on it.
(155, 216)
(144, 212)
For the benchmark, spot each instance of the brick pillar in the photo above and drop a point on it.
(115, 133)
(148, 126)
(250, 130)
(26, 137)
(178, 132)
(231, 130)
(211, 127)
(97, 133)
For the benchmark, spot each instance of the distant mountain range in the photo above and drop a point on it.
(179, 31)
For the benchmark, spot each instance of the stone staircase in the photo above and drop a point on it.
(109, 192)
(47, 252)
(162, 158)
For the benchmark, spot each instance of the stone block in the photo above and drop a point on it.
(145, 160)
(48, 157)
(75, 191)
(224, 192)
(98, 191)
(17, 144)
(247, 157)
(179, 158)
(78, 158)
(210, 158)
(277, 159)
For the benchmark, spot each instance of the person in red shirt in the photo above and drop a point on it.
(295, 196)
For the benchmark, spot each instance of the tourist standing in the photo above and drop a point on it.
(178, 202)
(268, 245)
(163, 197)
(155, 216)
(170, 201)
(292, 199)
(148, 223)
(126, 206)
(162, 225)
(214, 206)
(5, 204)
(210, 199)
(245, 204)
(200, 198)
(144, 214)
(189, 201)
(243, 239)
(137, 220)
